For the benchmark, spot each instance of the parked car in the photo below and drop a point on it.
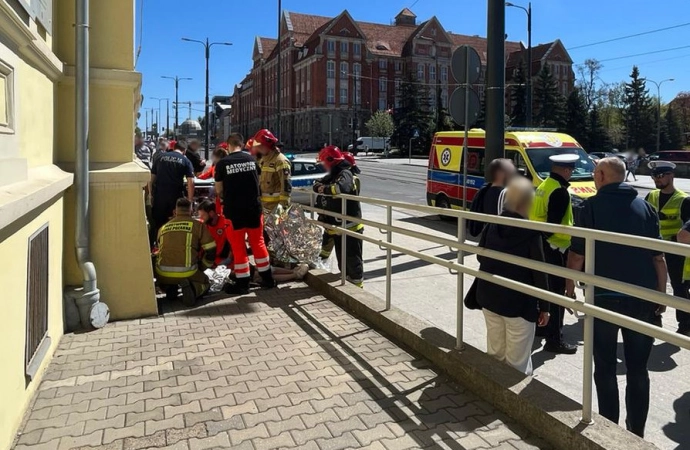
(602, 155)
(304, 173)
(672, 155)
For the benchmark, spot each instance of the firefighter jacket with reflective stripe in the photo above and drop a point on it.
(540, 210)
(340, 181)
(670, 221)
(180, 242)
(274, 180)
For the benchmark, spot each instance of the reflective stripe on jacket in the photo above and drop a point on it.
(670, 222)
(274, 179)
(180, 242)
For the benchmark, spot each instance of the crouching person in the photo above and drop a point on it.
(341, 180)
(180, 242)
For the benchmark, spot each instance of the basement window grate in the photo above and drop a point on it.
(37, 339)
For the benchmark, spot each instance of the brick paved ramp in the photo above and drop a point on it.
(276, 369)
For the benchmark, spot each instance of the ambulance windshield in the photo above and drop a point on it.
(584, 167)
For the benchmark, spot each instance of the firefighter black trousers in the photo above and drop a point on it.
(354, 264)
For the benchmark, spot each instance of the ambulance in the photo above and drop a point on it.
(528, 149)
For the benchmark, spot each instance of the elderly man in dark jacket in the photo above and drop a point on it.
(510, 315)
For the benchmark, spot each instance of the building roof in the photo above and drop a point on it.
(303, 26)
(538, 53)
(265, 45)
(406, 12)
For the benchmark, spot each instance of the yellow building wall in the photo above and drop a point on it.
(35, 95)
(119, 249)
(112, 33)
(15, 394)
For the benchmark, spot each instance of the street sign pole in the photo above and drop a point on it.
(467, 126)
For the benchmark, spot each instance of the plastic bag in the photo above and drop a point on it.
(218, 277)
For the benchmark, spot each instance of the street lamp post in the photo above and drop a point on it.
(167, 113)
(278, 80)
(207, 49)
(658, 109)
(177, 109)
(527, 10)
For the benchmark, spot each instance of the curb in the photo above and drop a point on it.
(542, 410)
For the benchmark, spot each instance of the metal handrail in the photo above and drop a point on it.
(459, 269)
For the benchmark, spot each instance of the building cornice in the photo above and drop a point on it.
(28, 44)
(109, 77)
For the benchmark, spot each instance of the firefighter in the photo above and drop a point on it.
(552, 204)
(673, 207)
(328, 242)
(341, 180)
(220, 229)
(275, 168)
(180, 242)
(237, 182)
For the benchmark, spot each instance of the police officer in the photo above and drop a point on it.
(181, 240)
(341, 180)
(673, 207)
(552, 204)
(167, 181)
(275, 168)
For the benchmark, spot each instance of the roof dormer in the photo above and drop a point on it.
(406, 18)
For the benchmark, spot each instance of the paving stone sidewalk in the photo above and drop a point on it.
(276, 369)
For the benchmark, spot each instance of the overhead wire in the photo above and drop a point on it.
(644, 33)
(654, 52)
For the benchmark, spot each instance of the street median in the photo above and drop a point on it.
(543, 410)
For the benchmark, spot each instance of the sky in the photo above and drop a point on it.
(161, 25)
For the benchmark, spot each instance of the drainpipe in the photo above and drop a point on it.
(91, 312)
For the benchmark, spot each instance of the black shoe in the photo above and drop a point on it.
(684, 330)
(562, 348)
(658, 321)
(188, 294)
(267, 281)
(170, 292)
(239, 287)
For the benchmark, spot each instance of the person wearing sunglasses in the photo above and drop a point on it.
(673, 207)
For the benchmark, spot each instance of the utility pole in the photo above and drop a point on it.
(527, 10)
(160, 115)
(146, 126)
(278, 81)
(495, 95)
(177, 89)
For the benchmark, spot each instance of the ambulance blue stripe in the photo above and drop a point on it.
(442, 176)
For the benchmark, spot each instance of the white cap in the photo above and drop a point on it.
(661, 166)
(565, 159)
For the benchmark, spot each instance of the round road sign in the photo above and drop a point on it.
(465, 61)
(456, 106)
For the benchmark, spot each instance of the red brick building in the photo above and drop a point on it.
(336, 70)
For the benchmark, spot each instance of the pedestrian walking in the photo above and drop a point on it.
(616, 208)
(510, 315)
(552, 204)
(490, 198)
(632, 162)
(237, 182)
(673, 208)
(340, 180)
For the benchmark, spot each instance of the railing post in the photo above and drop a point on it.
(311, 204)
(343, 243)
(460, 289)
(389, 268)
(587, 365)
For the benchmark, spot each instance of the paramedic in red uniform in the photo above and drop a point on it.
(220, 229)
(237, 182)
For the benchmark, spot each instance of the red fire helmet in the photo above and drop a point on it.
(329, 156)
(265, 137)
(249, 144)
(349, 157)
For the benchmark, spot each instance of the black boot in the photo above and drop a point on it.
(267, 281)
(239, 287)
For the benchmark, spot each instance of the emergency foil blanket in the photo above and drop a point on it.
(292, 238)
(218, 277)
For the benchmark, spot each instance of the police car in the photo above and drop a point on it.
(304, 173)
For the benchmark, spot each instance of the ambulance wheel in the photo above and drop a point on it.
(443, 202)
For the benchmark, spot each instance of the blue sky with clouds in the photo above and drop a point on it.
(662, 55)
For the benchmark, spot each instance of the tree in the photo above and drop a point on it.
(549, 103)
(587, 83)
(598, 139)
(518, 97)
(672, 132)
(443, 120)
(380, 124)
(638, 113)
(412, 115)
(577, 118)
